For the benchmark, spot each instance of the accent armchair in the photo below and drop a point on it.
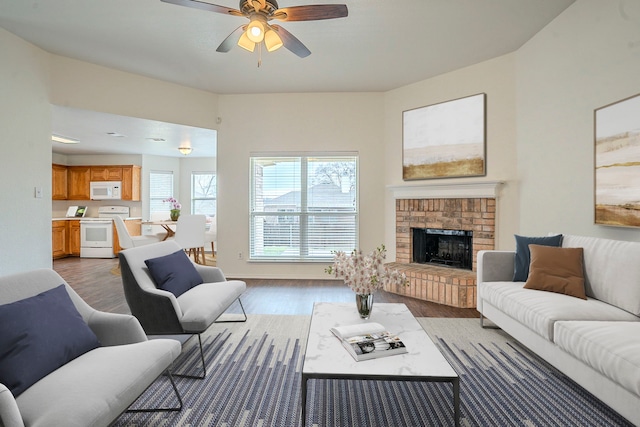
(160, 311)
(81, 367)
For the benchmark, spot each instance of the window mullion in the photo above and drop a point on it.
(304, 218)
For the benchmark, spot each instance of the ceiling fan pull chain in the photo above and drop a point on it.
(259, 54)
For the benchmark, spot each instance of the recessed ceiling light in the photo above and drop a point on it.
(115, 134)
(63, 139)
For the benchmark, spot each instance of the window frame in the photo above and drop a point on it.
(215, 193)
(160, 199)
(306, 211)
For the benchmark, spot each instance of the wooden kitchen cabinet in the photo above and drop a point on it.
(131, 183)
(106, 173)
(58, 182)
(79, 178)
(73, 237)
(59, 239)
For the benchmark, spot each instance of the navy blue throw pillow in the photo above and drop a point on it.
(174, 273)
(38, 335)
(523, 255)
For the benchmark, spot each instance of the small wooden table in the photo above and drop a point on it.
(166, 224)
(325, 358)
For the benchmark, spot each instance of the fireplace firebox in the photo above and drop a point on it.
(451, 248)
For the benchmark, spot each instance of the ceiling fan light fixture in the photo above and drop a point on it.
(255, 31)
(185, 150)
(272, 40)
(245, 43)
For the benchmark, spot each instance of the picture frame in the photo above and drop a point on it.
(617, 163)
(445, 140)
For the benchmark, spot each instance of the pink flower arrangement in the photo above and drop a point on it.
(365, 273)
(174, 203)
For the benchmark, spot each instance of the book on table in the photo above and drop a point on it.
(368, 341)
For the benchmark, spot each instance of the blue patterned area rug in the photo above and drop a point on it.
(254, 379)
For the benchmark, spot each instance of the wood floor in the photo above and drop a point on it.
(95, 282)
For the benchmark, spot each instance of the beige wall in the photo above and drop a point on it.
(587, 58)
(79, 84)
(495, 78)
(25, 123)
(294, 123)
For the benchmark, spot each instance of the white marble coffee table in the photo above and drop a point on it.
(325, 358)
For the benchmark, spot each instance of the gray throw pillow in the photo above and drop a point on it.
(523, 255)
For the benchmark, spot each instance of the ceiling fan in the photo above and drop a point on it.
(259, 13)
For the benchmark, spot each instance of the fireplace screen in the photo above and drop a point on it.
(452, 248)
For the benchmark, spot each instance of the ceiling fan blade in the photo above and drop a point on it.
(205, 6)
(231, 40)
(311, 12)
(291, 42)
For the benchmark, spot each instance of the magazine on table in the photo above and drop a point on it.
(368, 341)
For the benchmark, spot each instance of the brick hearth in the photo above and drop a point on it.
(443, 285)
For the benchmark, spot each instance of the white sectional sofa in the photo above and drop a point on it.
(595, 342)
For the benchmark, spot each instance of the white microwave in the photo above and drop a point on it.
(106, 190)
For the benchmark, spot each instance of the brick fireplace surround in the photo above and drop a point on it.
(443, 285)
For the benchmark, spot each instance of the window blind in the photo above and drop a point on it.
(303, 207)
(160, 188)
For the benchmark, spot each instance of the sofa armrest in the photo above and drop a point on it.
(210, 274)
(116, 329)
(9, 411)
(495, 266)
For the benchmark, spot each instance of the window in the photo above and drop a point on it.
(303, 207)
(160, 188)
(203, 193)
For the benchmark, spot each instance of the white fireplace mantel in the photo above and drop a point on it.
(482, 189)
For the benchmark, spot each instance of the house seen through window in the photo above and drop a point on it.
(303, 207)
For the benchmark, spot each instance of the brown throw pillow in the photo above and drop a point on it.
(556, 270)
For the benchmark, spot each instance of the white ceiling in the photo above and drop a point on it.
(381, 45)
(132, 135)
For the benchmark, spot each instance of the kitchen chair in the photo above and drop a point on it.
(157, 230)
(211, 235)
(127, 241)
(160, 312)
(190, 235)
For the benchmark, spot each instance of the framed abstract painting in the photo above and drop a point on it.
(617, 163)
(445, 140)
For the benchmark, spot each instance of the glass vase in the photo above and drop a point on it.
(174, 214)
(364, 303)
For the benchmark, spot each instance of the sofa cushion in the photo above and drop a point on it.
(606, 347)
(556, 270)
(38, 335)
(612, 270)
(523, 256)
(98, 386)
(174, 272)
(539, 310)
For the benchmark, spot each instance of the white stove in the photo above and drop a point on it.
(96, 234)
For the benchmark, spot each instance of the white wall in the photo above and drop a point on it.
(25, 132)
(294, 123)
(586, 58)
(495, 78)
